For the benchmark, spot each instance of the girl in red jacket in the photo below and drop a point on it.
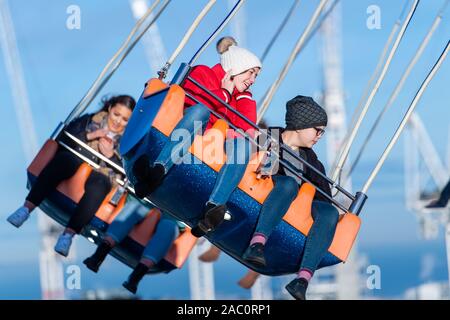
(230, 80)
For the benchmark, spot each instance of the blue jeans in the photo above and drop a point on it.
(321, 235)
(165, 234)
(277, 203)
(238, 152)
(174, 151)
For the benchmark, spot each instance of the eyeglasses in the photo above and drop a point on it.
(319, 132)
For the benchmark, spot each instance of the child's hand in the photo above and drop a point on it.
(106, 147)
(227, 83)
(97, 134)
(260, 174)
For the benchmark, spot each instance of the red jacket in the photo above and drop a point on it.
(211, 78)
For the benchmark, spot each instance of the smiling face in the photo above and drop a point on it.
(118, 117)
(246, 79)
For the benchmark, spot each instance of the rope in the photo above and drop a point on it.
(230, 15)
(400, 84)
(405, 119)
(280, 28)
(163, 72)
(343, 156)
(105, 75)
(300, 44)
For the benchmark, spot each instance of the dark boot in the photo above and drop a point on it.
(297, 288)
(135, 277)
(155, 177)
(255, 255)
(141, 169)
(148, 177)
(94, 261)
(212, 218)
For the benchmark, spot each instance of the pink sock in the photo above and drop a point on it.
(305, 274)
(258, 238)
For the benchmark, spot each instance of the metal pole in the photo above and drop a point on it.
(162, 73)
(300, 44)
(106, 73)
(152, 42)
(50, 264)
(400, 84)
(280, 28)
(406, 118)
(317, 26)
(217, 31)
(343, 156)
(379, 65)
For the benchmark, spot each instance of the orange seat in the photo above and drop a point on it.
(43, 157)
(172, 107)
(73, 188)
(209, 147)
(180, 249)
(107, 212)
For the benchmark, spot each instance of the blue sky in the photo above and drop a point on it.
(60, 65)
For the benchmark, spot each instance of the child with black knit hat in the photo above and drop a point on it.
(305, 124)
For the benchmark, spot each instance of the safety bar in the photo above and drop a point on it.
(185, 71)
(287, 165)
(95, 153)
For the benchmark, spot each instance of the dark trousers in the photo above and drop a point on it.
(63, 166)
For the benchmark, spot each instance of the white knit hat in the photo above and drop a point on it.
(238, 60)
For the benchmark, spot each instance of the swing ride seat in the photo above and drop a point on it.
(187, 186)
(61, 204)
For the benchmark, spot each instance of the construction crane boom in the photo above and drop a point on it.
(50, 265)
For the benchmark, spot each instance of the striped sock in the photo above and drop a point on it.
(258, 238)
(305, 274)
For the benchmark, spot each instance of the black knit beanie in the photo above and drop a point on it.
(303, 113)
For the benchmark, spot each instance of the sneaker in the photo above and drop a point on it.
(297, 288)
(19, 216)
(63, 244)
(255, 255)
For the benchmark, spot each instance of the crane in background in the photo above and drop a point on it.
(422, 164)
(50, 264)
(342, 281)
